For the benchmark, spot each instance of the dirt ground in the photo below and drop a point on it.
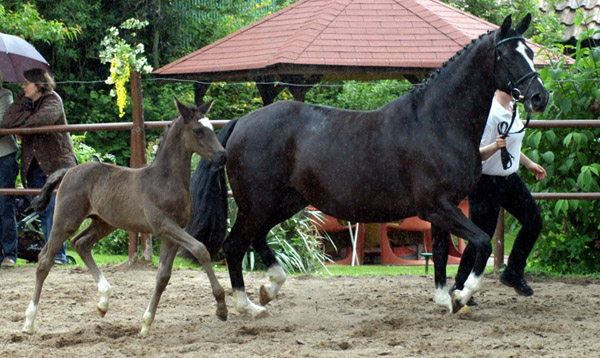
(313, 317)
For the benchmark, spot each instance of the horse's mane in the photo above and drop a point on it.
(163, 136)
(419, 88)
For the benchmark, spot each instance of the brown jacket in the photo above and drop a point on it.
(53, 151)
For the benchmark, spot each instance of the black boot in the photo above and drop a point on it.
(516, 281)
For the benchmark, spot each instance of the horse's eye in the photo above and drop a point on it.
(199, 132)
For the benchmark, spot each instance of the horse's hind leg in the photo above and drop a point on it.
(62, 228)
(83, 243)
(268, 291)
(168, 251)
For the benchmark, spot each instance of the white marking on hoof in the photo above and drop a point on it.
(244, 306)
(30, 314)
(104, 289)
(472, 285)
(146, 323)
(442, 298)
(268, 292)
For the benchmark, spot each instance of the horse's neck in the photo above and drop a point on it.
(174, 159)
(464, 88)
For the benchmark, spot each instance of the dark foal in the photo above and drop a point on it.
(417, 155)
(155, 199)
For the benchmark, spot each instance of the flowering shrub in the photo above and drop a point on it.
(123, 58)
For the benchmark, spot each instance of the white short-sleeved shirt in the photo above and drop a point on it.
(493, 165)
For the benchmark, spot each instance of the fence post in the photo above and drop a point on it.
(138, 160)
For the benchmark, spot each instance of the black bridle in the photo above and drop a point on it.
(516, 96)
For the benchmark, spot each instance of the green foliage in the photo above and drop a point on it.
(297, 245)
(570, 242)
(26, 22)
(545, 29)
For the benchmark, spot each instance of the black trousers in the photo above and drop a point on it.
(490, 194)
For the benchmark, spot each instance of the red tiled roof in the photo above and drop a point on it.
(407, 34)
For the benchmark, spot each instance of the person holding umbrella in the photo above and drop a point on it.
(42, 154)
(9, 169)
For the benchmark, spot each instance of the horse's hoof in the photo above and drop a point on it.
(263, 314)
(222, 316)
(28, 329)
(101, 312)
(264, 296)
(456, 305)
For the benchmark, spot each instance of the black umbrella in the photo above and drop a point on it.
(16, 56)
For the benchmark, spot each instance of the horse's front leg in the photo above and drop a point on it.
(441, 247)
(448, 217)
(168, 251)
(268, 291)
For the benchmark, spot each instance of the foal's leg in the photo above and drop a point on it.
(83, 243)
(62, 228)
(168, 251)
(169, 230)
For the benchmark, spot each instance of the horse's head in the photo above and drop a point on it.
(514, 71)
(199, 134)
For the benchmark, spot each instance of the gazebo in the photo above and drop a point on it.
(329, 40)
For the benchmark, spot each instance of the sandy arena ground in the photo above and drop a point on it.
(313, 317)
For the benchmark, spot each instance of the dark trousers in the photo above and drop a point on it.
(490, 194)
(9, 168)
(36, 178)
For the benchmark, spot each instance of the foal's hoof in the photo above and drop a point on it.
(101, 312)
(222, 315)
(263, 314)
(264, 296)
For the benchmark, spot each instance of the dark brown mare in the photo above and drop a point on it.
(155, 199)
(417, 155)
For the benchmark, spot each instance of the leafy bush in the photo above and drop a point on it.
(570, 242)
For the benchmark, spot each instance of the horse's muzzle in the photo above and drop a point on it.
(539, 101)
(219, 158)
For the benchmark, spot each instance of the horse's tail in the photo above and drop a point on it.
(209, 200)
(41, 202)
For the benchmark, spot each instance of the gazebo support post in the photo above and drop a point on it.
(299, 85)
(200, 90)
(268, 89)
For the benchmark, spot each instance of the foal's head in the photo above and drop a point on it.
(199, 135)
(514, 71)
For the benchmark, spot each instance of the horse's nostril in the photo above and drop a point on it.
(219, 158)
(539, 101)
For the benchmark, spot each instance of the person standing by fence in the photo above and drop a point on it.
(42, 154)
(9, 169)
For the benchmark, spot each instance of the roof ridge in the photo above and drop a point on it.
(233, 34)
(421, 5)
(321, 15)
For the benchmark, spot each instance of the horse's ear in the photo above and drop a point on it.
(183, 110)
(523, 25)
(506, 26)
(204, 108)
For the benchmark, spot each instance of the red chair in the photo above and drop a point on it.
(390, 256)
(326, 223)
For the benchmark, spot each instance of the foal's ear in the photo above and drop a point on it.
(204, 108)
(506, 26)
(523, 25)
(183, 110)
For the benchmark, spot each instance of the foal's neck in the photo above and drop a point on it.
(173, 159)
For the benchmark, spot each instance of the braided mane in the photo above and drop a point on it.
(435, 74)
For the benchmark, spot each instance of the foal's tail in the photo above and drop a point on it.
(41, 202)
(209, 200)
